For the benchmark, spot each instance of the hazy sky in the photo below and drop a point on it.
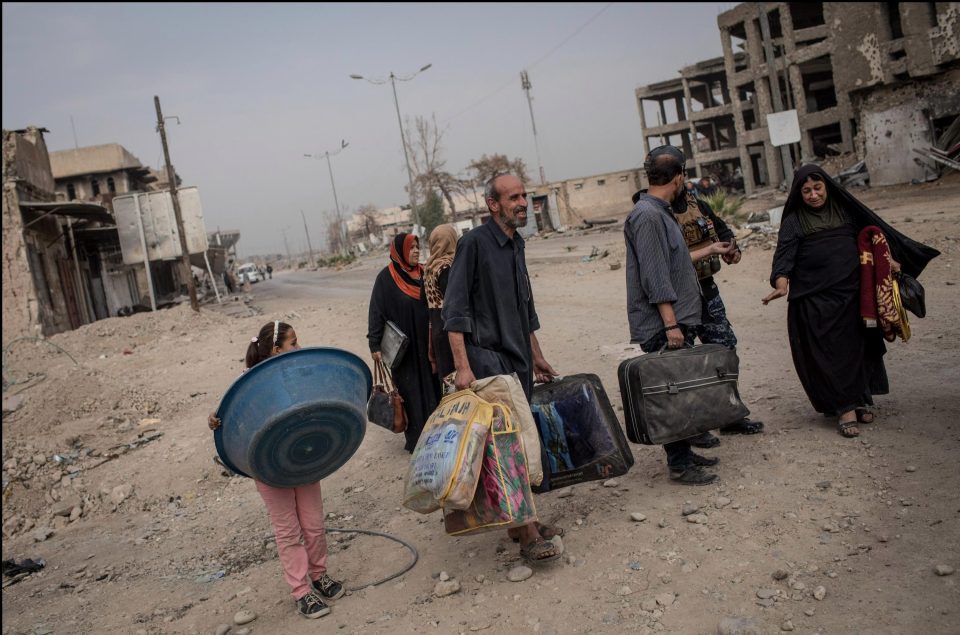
(257, 86)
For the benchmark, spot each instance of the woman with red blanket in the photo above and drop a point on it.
(817, 262)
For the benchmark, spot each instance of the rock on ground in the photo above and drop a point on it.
(446, 587)
(244, 616)
(519, 573)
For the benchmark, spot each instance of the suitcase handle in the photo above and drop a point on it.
(663, 348)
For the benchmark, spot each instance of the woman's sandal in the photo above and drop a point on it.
(540, 550)
(864, 415)
(547, 531)
(843, 427)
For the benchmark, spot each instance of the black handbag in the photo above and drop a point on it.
(385, 406)
(912, 294)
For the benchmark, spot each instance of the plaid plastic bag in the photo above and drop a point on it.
(445, 466)
(503, 498)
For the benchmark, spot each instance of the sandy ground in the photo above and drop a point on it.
(149, 537)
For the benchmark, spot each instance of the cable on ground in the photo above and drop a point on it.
(368, 532)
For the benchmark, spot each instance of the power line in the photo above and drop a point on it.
(572, 35)
(539, 60)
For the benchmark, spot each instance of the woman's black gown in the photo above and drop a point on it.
(413, 376)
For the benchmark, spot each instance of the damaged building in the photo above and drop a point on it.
(44, 291)
(98, 174)
(63, 264)
(877, 79)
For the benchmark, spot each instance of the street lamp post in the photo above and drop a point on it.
(336, 201)
(403, 139)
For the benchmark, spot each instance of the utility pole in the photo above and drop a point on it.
(185, 255)
(336, 202)
(415, 215)
(406, 155)
(525, 83)
(774, 86)
(307, 232)
(341, 227)
(286, 246)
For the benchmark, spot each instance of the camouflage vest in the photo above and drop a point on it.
(698, 232)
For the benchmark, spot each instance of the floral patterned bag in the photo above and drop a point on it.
(503, 498)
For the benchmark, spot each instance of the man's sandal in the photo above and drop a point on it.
(864, 415)
(540, 550)
(843, 427)
(547, 531)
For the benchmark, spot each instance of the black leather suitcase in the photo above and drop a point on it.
(584, 440)
(677, 394)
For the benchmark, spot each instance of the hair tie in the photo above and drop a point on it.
(276, 331)
(253, 340)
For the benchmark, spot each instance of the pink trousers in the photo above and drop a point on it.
(296, 512)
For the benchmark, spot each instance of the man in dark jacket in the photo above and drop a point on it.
(490, 317)
(700, 227)
(663, 296)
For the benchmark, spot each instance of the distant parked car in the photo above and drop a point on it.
(249, 273)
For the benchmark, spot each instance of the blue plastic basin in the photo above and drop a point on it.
(295, 418)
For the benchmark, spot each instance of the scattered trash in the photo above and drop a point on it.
(595, 254)
(17, 571)
(599, 221)
(12, 403)
(854, 175)
(216, 575)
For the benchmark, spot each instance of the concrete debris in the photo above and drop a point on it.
(445, 588)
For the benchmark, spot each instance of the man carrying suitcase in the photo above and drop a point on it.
(700, 226)
(663, 294)
(490, 317)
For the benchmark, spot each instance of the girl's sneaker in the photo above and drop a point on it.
(311, 606)
(329, 588)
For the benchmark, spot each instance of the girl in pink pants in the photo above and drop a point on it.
(295, 512)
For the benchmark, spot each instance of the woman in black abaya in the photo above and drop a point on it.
(817, 262)
(396, 297)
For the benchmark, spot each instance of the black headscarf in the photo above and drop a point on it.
(911, 255)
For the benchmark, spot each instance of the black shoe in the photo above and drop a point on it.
(329, 588)
(693, 475)
(744, 426)
(311, 606)
(705, 440)
(704, 461)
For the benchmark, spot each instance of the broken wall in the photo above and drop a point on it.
(33, 300)
(897, 119)
(598, 197)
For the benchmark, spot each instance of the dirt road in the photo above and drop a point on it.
(142, 534)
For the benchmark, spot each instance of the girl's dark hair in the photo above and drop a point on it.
(261, 348)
